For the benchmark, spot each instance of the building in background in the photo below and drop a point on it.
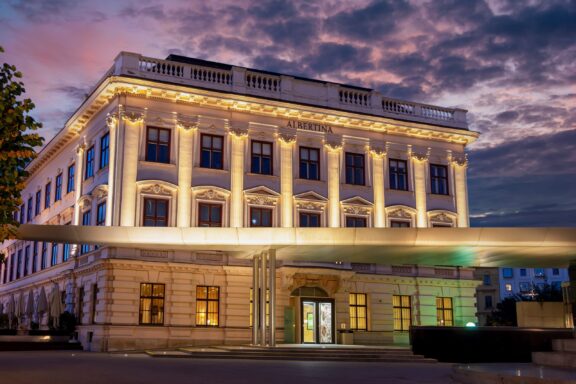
(487, 293)
(190, 143)
(527, 282)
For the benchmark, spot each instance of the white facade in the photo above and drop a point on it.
(183, 136)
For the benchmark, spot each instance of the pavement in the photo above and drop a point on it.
(65, 367)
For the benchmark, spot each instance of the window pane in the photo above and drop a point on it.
(217, 142)
(206, 141)
(256, 147)
(164, 136)
(267, 149)
(216, 214)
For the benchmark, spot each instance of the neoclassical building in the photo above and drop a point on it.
(189, 143)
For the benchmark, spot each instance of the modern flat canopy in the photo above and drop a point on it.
(466, 247)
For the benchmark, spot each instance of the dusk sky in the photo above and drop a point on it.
(511, 64)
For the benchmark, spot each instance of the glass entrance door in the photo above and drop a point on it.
(317, 321)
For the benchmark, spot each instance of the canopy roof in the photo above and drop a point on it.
(475, 247)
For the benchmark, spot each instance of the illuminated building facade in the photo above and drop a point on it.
(189, 143)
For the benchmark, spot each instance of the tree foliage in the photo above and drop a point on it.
(17, 142)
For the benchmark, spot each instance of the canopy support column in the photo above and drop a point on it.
(255, 299)
(272, 276)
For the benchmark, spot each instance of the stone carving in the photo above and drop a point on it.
(111, 120)
(133, 117)
(378, 153)
(156, 189)
(310, 205)
(461, 161)
(210, 194)
(187, 123)
(400, 214)
(287, 138)
(420, 156)
(356, 210)
(333, 146)
(441, 218)
(261, 200)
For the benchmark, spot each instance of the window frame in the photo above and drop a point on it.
(308, 163)
(89, 169)
(442, 310)
(309, 214)
(207, 300)
(152, 297)
(353, 307)
(47, 194)
(261, 210)
(436, 182)
(400, 224)
(71, 175)
(155, 217)
(104, 150)
(158, 144)
(209, 223)
(58, 188)
(261, 156)
(38, 206)
(399, 314)
(353, 168)
(54, 255)
(101, 208)
(355, 220)
(211, 150)
(394, 177)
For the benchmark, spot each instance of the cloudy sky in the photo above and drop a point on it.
(511, 63)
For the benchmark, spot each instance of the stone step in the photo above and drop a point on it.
(566, 345)
(555, 359)
(315, 351)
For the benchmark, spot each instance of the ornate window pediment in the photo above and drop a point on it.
(261, 196)
(356, 206)
(100, 192)
(210, 193)
(157, 187)
(401, 213)
(444, 218)
(310, 201)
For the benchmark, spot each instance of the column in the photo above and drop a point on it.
(272, 284)
(420, 162)
(185, 156)
(255, 299)
(112, 122)
(78, 179)
(239, 136)
(378, 177)
(263, 299)
(286, 180)
(132, 126)
(333, 152)
(461, 191)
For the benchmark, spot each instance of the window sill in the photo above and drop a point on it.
(204, 169)
(262, 175)
(156, 164)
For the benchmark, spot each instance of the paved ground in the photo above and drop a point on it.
(94, 368)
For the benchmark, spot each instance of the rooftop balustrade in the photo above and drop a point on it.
(239, 80)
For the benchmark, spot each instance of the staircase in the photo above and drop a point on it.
(296, 353)
(563, 354)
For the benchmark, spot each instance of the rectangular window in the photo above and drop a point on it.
(260, 217)
(70, 180)
(101, 214)
(155, 213)
(398, 170)
(309, 163)
(355, 222)
(525, 287)
(487, 279)
(35, 257)
(261, 157)
(158, 145)
(54, 260)
(402, 308)
(29, 211)
(26, 259)
(12, 259)
(358, 311)
(211, 151)
(86, 221)
(23, 214)
(539, 272)
(47, 195)
(444, 311)
(207, 306)
(19, 264)
(58, 190)
(354, 168)
(151, 304)
(38, 207)
(508, 287)
(438, 179)
(487, 302)
(209, 215)
(89, 172)
(507, 273)
(104, 150)
(555, 271)
(308, 219)
(399, 224)
(44, 255)
(65, 252)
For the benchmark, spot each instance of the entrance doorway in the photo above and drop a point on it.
(317, 321)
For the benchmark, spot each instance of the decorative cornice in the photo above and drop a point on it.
(400, 214)
(421, 156)
(287, 138)
(210, 194)
(187, 123)
(378, 153)
(333, 146)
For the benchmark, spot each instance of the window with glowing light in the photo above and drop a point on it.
(402, 308)
(207, 306)
(358, 311)
(151, 304)
(444, 311)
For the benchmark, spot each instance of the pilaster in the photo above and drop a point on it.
(186, 130)
(378, 177)
(286, 179)
(78, 179)
(239, 133)
(333, 151)
(420, 164)
(461, 190)
(112, 122)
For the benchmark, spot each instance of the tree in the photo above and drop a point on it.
(17, 144)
